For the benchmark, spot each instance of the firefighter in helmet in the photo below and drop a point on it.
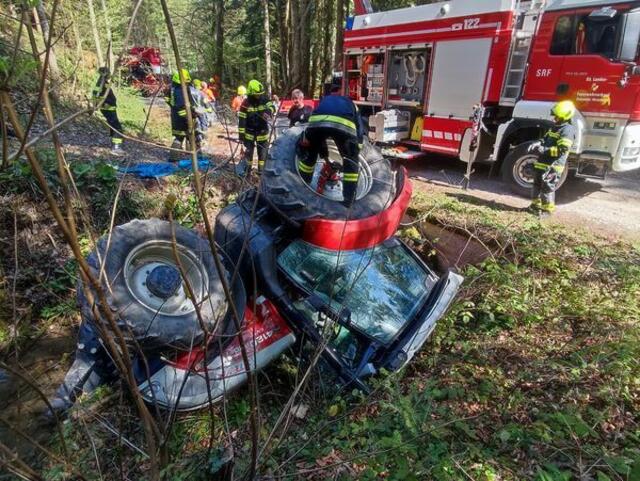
(553, 151)
(254, 120)
(336, 117)
(179, 122)
(108, 108)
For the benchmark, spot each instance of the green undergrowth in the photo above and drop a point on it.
(532, 375)
(133, 110)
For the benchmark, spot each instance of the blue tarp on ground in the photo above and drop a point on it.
(162, 169)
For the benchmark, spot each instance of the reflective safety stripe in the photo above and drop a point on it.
(261, 138)
(350, 177)
(536, 202)
(548, 207)
(332, 118)
(241, 130)
(116, 140)
(565, 142)
(540, 166)
(182, 113)
(553, 151)
(304, 168)
(553, 135)
(259, 108)
(242, 115)
(108, 108)
(249, 137)
(179, 132)
(558, 168)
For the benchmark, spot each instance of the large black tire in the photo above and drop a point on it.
(136, 247)
(517, 170)
(282, 184)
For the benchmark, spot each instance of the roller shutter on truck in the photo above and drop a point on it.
(457, 84)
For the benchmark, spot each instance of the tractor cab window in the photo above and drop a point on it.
(585, 35)
(382, 287)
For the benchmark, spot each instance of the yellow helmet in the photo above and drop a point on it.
(197, 83)
(564, 110)
(242, 90)
(255, 88)
(176, 76)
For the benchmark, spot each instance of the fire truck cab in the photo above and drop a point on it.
(477, 80)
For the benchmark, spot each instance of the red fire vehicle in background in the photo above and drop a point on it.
(421, 74)
(147, 69)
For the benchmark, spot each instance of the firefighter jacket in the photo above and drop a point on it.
(556, 143)
(177, 103)
(339, 112)
(254, 118)
(102, 88)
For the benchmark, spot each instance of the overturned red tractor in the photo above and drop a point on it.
(146, 70)
(303, 273)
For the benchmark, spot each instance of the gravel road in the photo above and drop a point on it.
(610, 208)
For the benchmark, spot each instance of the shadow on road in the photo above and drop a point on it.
(491, 204)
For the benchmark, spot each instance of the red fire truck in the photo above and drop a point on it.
(422, 74)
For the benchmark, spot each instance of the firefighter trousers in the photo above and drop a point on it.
(545, 182)
(111, 116)
(314, 144)
(262, 143)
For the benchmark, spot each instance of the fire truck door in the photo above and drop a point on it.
(554, 41)
(588, 76)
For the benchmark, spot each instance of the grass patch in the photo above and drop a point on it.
(133, 110)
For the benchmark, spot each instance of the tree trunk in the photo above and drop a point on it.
(305, 42)
(283, 33)
(107, 24)
(43, 22)
(267, 46)
(327, 53)
(219, 63)
(340, 21)
(296, 50)
(96, 34)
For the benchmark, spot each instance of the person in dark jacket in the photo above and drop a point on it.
(179, 121)
(553, 151)
(254, 120)
(108, 109)
(336, 117)
(299, 113)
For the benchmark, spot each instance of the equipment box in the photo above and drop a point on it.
(389, 126)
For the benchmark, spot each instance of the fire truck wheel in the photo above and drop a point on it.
(146, 293)
(282, 183)
(518, 172)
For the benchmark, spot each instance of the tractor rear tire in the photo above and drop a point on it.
(282, 185)
(156, 322)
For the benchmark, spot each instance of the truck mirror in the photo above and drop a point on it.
(629, 36)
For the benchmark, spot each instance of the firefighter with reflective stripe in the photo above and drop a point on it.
(108, 108)
(254, 120)
(553, 151)
(336, 117)
(179, 122)
(200, 108)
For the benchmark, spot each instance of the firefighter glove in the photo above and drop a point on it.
(536, 148)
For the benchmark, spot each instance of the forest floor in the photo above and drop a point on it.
(533, 374)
